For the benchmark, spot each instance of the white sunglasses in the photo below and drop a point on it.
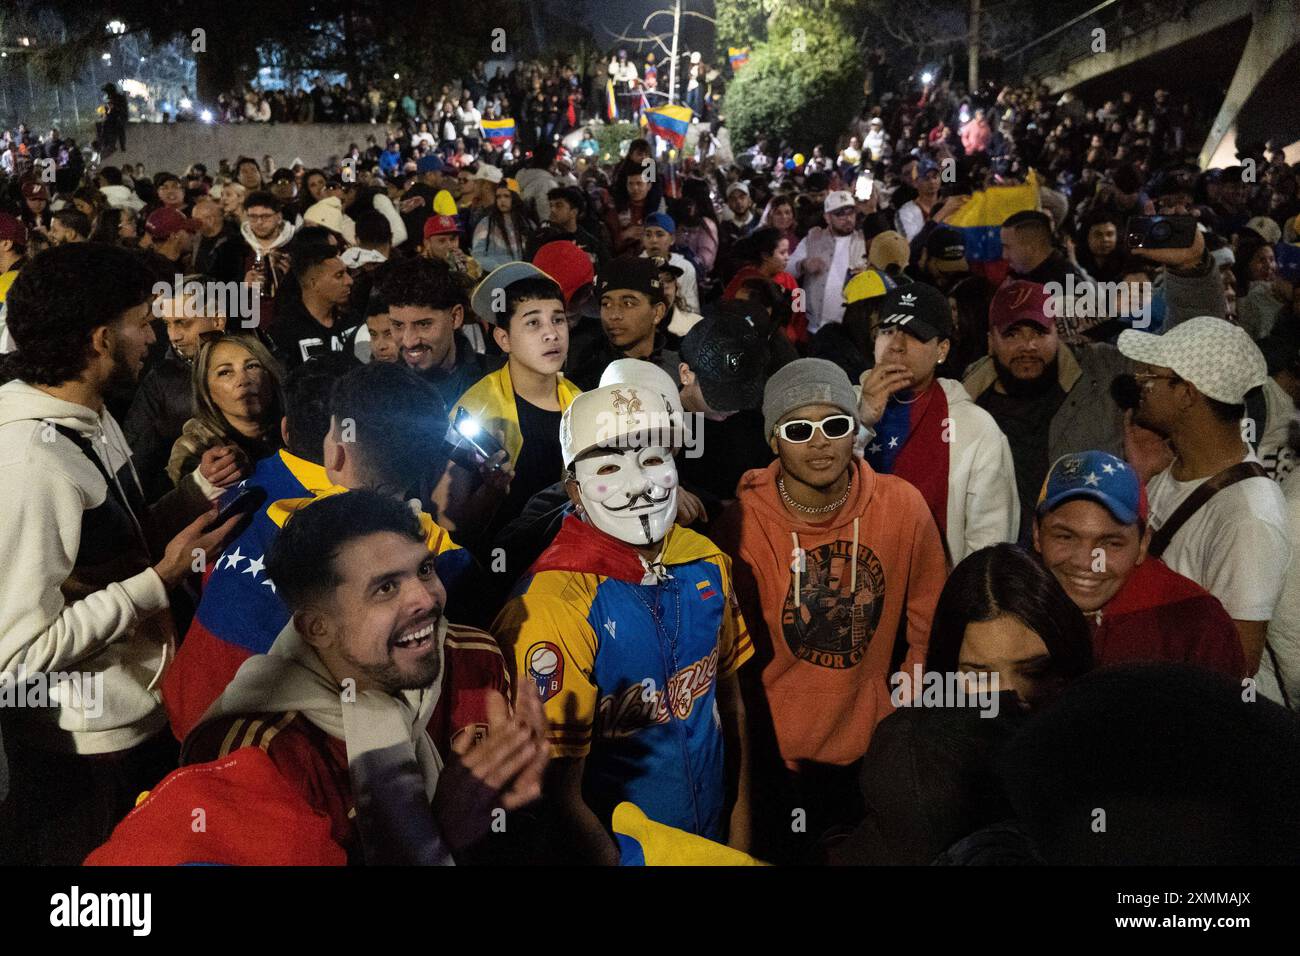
(801, 430)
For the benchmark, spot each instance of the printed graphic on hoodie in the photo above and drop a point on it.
(826, 621)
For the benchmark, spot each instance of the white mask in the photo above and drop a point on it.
(629, 493)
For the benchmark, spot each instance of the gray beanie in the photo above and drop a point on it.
(806, 381)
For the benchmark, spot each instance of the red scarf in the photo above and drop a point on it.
(923, 462)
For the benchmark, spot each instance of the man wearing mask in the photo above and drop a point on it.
(1048, 398)
(628, 628)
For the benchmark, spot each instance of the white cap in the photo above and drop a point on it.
(634, 371)
(837, 200)
(488, 172)
(1219, 358)
(739, 186)
(617, 416)
(1266, 227)
(329, 213)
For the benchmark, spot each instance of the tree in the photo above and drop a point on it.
(803, 82)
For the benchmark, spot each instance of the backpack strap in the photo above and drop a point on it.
(114, 490)
(1193, 502)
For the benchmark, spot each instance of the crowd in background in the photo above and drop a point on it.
(881, 449)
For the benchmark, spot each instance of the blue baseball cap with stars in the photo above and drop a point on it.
(1095, 476)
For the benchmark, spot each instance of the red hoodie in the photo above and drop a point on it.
(826, 632)
(1159, 615)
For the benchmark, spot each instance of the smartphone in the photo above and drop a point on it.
(1161, 232)
(246, 502)
(468, 441)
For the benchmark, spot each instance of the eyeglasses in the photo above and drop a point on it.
(1145, 379)
(801, 430)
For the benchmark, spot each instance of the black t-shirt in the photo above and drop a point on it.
(726, 450)
(540, 461)
(298, 335)
(1026, 423)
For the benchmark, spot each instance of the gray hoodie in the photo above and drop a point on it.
(77, 593)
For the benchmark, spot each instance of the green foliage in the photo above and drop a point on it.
(803, 83)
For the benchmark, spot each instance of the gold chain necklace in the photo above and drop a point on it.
(823, 509)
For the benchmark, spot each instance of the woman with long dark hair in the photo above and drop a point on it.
(1002, 613)
(502, 235)
(697, 229)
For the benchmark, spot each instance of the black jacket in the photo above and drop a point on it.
(160, 409)
(469, 368)
(221, 256)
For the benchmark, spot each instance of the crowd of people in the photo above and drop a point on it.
(641, 501)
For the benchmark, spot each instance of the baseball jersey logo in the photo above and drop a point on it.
(546, 668)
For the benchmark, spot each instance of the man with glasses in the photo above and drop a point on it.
(1235, 544)
(265, 262)
(838, 570)
(827, 258)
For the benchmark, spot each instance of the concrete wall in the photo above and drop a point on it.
(174, 146)
(1205, 17)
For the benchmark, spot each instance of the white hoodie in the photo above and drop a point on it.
(983, 504)
(121, 631)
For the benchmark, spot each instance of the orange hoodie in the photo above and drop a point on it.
(825, 629)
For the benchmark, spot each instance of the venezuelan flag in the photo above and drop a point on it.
(738, 55)
(981, 219)
(499, 130)
(611, 102)
(670, 123)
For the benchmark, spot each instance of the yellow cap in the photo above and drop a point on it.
(443, 204)
(868, 284)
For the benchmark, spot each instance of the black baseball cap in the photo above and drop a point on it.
(918, 309)
(282, 174)
(946, 248)
(666, 266)
(729, 356)
(631, 272)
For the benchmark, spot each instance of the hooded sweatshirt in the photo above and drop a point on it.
(829, 630)
(77, 593)
(1159, 615)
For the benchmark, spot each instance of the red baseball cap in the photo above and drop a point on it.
(437, 225)
(11, 228)
(166, 222)
(1016, 301)
(567, 264)
(35, 190)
